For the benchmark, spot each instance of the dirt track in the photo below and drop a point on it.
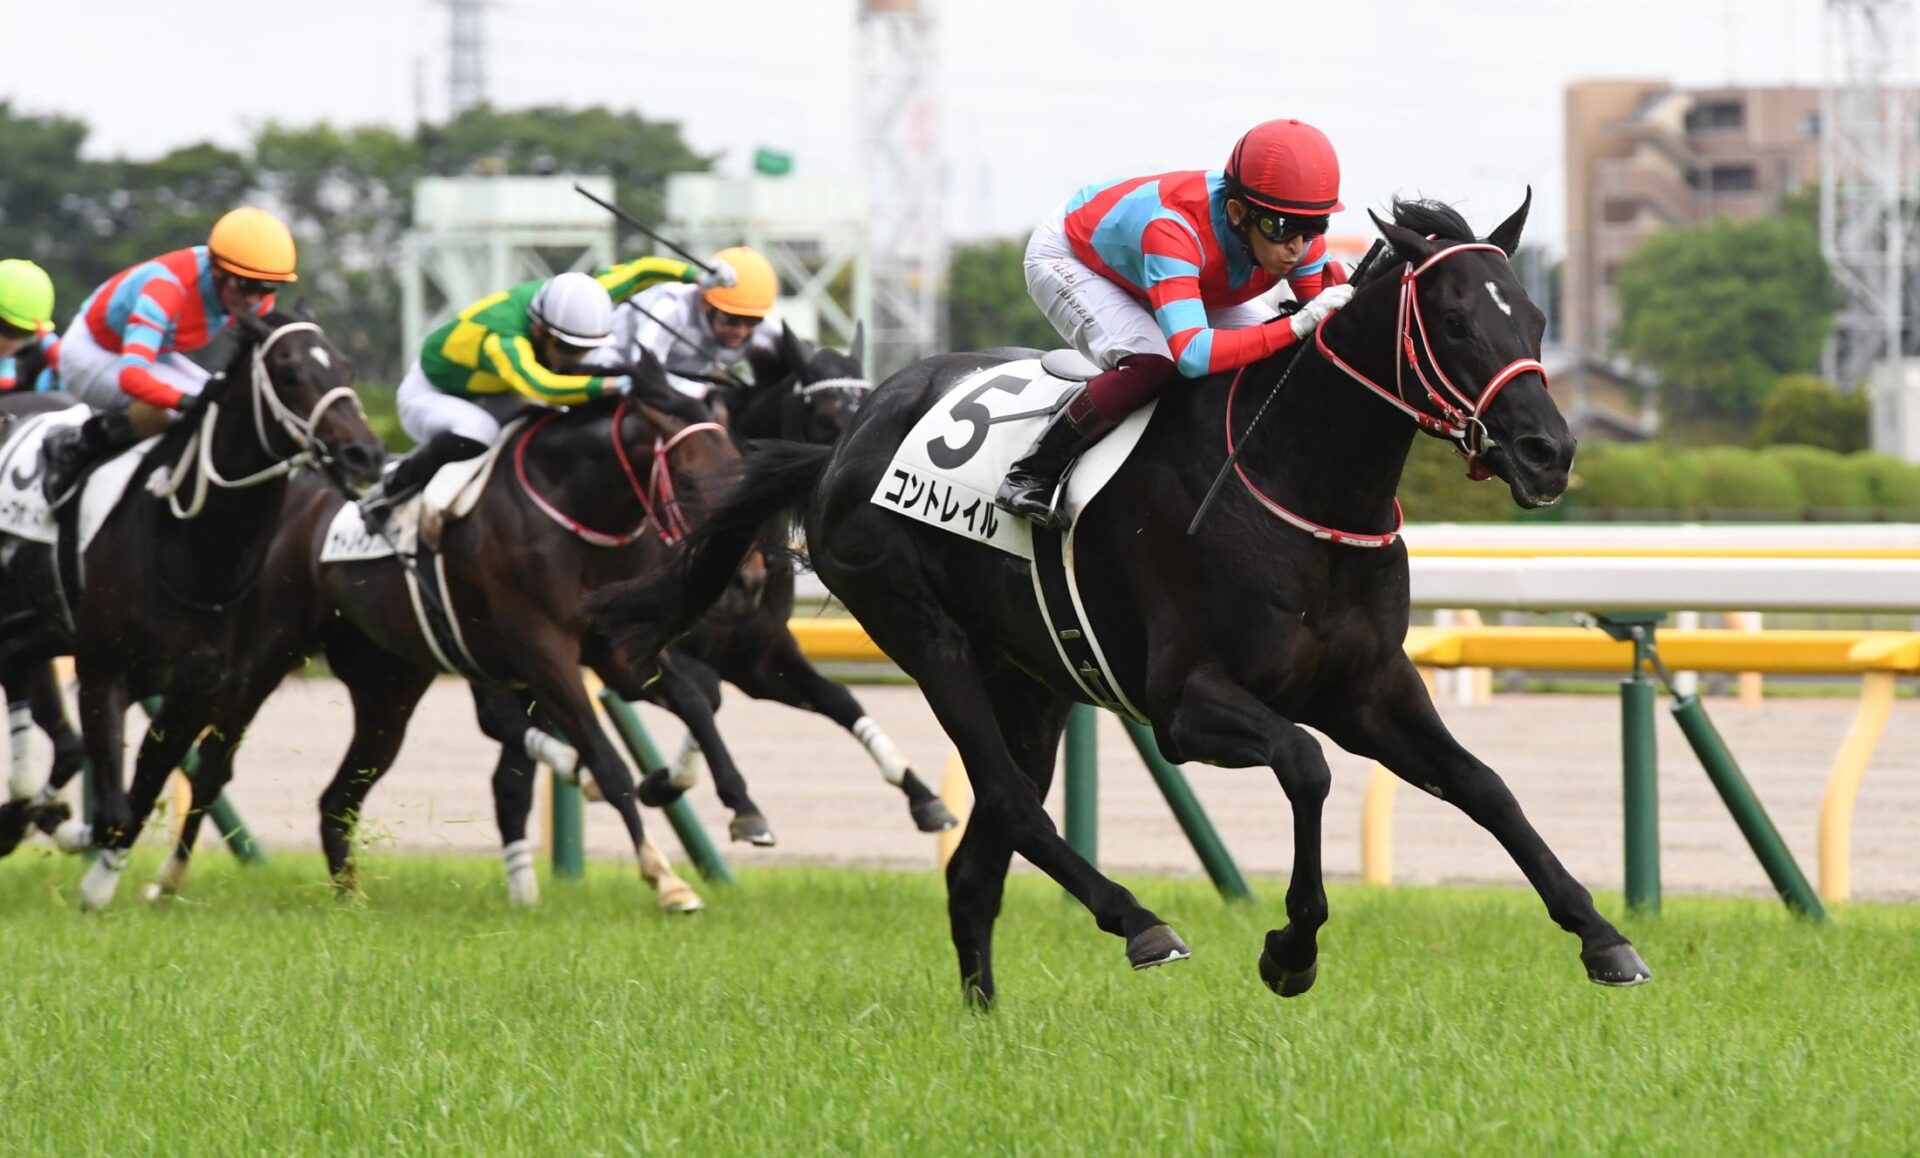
(1560, 755)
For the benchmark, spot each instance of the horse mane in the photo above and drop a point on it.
(218, 387)
(1431, 218)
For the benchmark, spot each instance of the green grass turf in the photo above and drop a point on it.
(816, 1011)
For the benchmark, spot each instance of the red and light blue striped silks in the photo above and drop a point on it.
(158, 307)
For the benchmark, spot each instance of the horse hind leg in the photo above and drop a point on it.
(385, 691)
(905, 620)
(691, 691)
(1031, 719)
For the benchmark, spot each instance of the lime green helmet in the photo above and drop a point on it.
(26, 294)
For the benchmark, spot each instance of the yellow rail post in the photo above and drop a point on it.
(1376, 827)
(956, 792)
(1843, 784)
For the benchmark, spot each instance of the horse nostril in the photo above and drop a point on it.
(1537, 452)
(359, 458)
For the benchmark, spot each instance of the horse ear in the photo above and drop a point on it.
(791, 350)
(303, 309)
(858, 351)
(1507, 236)
(252, 326)
(1407, 244)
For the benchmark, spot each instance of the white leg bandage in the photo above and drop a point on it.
(23, 780)
(560, 757)
(73, 836)
(102, 880)
(523, 887)
(688, 766)
(893, 765)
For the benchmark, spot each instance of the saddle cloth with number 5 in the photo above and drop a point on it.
(946, 471)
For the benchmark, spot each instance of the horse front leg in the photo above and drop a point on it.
(1393, 721)
(690, 690)
(552, 673)
(1216, 720)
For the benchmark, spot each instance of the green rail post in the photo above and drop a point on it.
(1640, 771)
(686, 825)
(1083, 782)
(1192, 817)
(566, 829)
(1747, 811)
(1641, 774)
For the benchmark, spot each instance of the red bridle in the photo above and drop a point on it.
(1460, 413)
(662, 507)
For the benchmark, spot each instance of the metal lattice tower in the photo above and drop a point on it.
(899, 141)
(466, 56)
(1867, 184)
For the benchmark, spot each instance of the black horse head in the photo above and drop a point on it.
(802, 393)
(1470, 344)
(308, 401)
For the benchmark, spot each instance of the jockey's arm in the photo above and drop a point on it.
(142, 340)
(512, 359)
(630, 277)
(1171, 261)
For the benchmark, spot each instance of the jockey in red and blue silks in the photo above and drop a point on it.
(1156, 277)
(124, 353)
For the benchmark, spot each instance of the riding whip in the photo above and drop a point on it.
(676, 335)
(634, 222)
(1226, 468)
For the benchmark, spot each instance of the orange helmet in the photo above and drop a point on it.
(1286, 167)
(253, 244)
(754, 288)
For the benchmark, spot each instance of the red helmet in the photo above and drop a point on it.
(1287, 167)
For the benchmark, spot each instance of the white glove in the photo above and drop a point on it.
(720, 276)
(1308, 317)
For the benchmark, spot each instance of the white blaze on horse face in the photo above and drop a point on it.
(1493, 291)
(321, 356)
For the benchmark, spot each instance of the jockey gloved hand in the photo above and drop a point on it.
(1316, 311)
(721, 276)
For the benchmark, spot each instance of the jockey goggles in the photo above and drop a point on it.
(1278, 228)
(723, 318)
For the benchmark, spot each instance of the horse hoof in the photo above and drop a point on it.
(752, 828)
(977, 998)
(102, 880)
(681, 900)
(1159, 945)
(1284, 982)
(657, 790)
(1616, 965)
(933, 816)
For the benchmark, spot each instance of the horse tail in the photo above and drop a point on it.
(640, 617)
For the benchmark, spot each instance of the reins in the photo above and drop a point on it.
(661, 508)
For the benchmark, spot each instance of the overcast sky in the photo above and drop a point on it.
(1458, 99)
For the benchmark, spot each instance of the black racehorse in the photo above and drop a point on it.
(162, 599)
(579, 499)
(1229, 638)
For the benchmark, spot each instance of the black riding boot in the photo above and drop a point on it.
(1029, 489)
(413, 474)
(67, 452)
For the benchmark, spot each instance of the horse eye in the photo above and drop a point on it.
(1455, 325)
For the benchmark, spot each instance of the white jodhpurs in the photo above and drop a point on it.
(426, 411)
(92, 374)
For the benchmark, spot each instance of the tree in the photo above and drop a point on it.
(1807, 410)
(987, 302)
(1720, 312)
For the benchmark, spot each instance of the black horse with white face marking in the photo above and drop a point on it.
(1230, 638)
